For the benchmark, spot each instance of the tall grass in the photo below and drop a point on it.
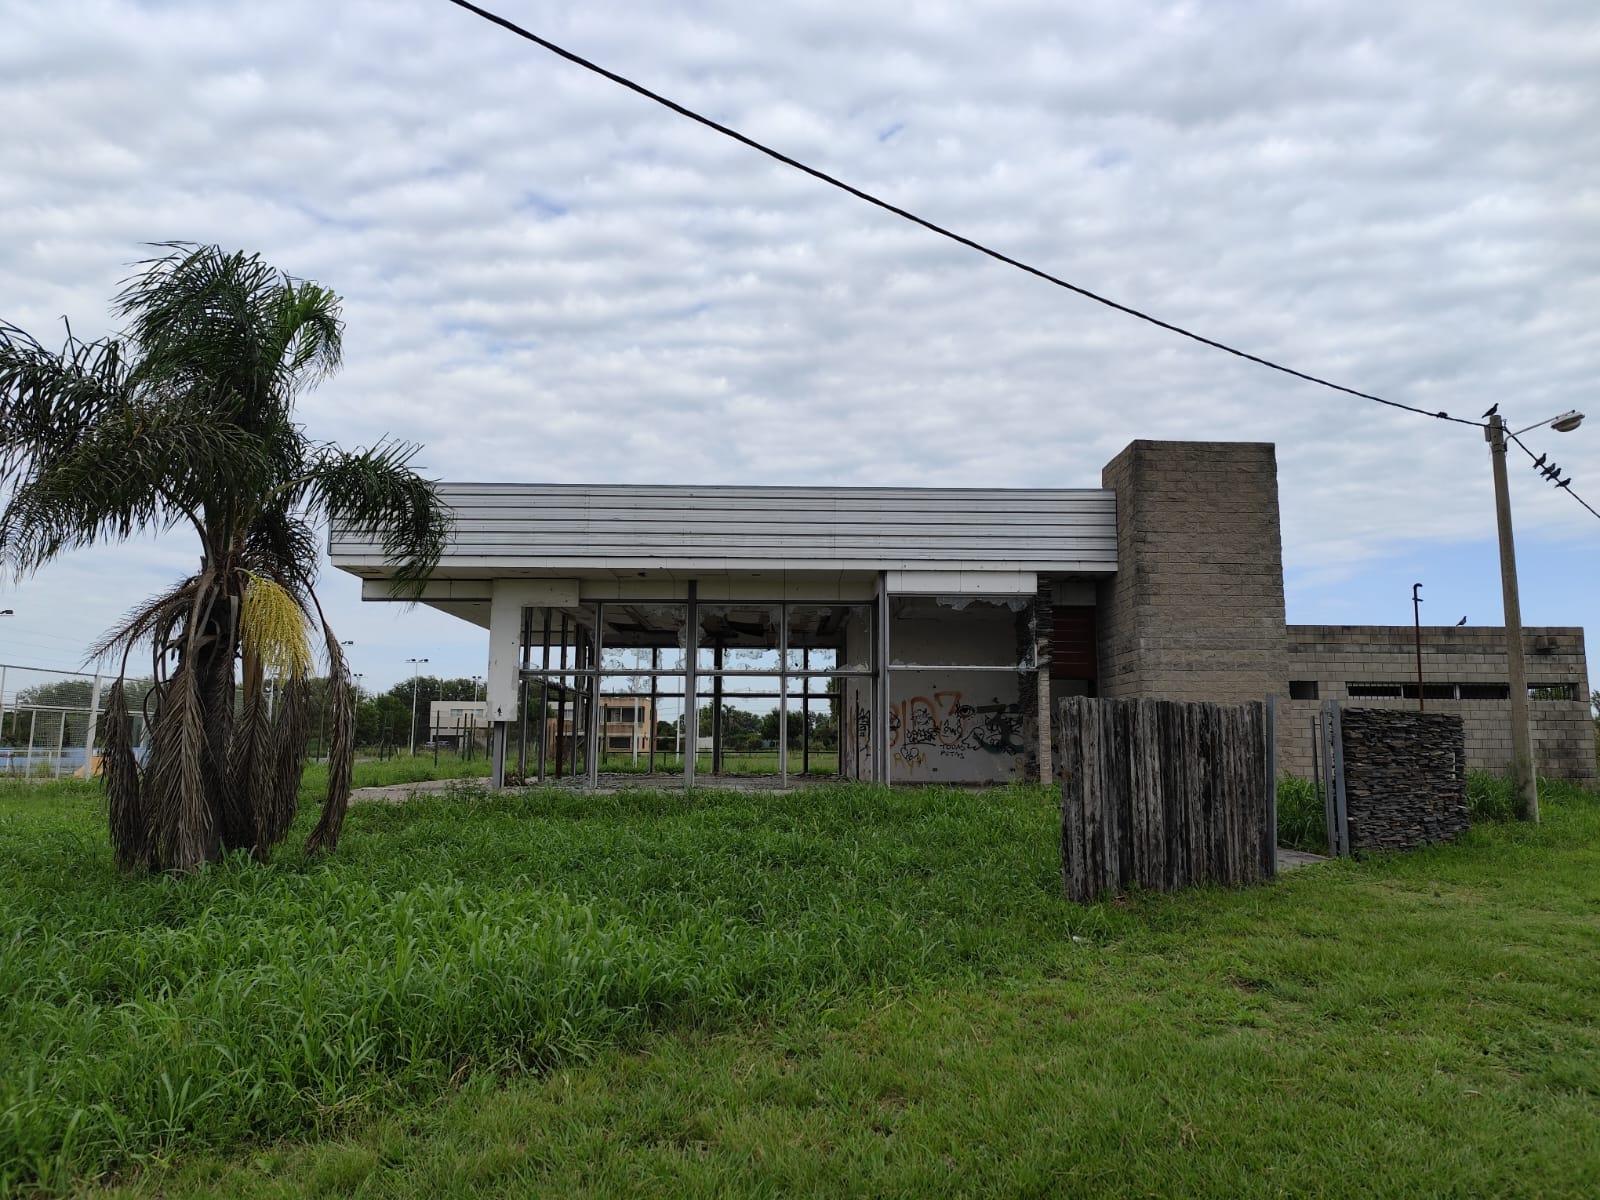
(465, 937)
(462, 935)
(1492, 797)
(1302, 816)
(1302, 820)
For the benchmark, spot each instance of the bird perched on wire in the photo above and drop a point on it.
(1567, 482)
(1493, 408)
(1463, 621)
(1539, 462)
(1551, 471)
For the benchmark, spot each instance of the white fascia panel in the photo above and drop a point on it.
(460, 590)
(963, 583)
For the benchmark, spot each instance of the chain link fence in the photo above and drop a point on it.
(50, 721)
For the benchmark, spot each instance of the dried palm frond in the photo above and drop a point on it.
(131, 830)
(174, 780)
(281, 775)
(249, 758)
(151, 621)
(174, 777)
(341, 746)
(217, 697)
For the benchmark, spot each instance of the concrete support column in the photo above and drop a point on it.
(497, 754)
(882, 695)
(507, 600)
(1043, 632)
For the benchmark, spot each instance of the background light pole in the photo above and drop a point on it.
(1526, 772)
(415, 664)
(1416, 622)
(4, 612)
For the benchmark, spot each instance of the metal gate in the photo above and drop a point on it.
(1327, 761)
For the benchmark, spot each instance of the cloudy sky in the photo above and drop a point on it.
(549, 278)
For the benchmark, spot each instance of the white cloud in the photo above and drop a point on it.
(547, 277)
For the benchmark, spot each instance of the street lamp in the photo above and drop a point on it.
(1516, 669)
(476, 680)
(415, 664)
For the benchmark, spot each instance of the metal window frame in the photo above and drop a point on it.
(580, 670)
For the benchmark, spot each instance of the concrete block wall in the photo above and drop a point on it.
(1334, 656)
(1195, 610)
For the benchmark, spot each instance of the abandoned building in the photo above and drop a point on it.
(933, 626)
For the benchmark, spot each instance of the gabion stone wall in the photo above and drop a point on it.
(1405, 778)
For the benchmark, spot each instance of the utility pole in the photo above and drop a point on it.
(415, 664)
(1521, 739)
(1526, 775)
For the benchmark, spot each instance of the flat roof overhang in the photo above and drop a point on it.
(821, 541)
(469, 598)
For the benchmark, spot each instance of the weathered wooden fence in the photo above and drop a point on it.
(1162, 794)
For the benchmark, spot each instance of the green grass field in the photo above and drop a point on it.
(838, 991)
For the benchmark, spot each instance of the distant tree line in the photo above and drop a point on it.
(744, 731)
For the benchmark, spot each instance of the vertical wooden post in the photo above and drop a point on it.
(1269, 717)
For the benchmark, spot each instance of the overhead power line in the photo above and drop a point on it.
(905, 214)
(1550, 474)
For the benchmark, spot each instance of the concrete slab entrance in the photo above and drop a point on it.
(1289, 859)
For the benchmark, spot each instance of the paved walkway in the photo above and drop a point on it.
(610, 781)
(1289, 860)
(392, 793)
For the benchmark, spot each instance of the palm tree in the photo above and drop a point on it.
(188, 419)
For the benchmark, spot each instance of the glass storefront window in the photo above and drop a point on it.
(830, 637)
(961, 631)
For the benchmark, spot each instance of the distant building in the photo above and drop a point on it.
(1463, 673)
(935, 625)
(451, 722)
(626, 724)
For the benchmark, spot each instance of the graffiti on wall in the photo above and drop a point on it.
(946, 728)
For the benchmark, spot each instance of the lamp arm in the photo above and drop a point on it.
(1548, 421)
